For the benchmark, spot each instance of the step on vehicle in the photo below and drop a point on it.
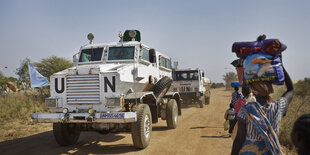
(193, 86)
(113, 87)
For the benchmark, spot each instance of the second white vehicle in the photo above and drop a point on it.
(192, 86)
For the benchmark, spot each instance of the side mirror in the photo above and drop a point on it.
(152, 55)
(203, 74)
(75, 59)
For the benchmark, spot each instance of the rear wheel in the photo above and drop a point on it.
(207, 101)
(202, 102)
(172, 114)
(66, 134)
(142, 129)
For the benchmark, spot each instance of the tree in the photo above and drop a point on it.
(23, 73)
(49, 66)
(228, 78)
(4, 81)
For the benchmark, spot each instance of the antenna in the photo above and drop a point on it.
(120, 35)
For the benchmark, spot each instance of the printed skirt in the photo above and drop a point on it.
(254, 147)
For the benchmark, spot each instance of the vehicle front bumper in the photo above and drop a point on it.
(115, 117)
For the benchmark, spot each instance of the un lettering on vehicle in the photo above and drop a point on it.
(58, 85)
(185, 89)
(110, 84)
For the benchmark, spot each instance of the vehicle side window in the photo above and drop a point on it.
(163, 62)
(169, 64)
(145, 54)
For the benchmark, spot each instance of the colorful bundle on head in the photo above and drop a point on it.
(271, 46)
(261, 60)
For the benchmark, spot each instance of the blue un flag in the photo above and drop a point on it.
(36, 79)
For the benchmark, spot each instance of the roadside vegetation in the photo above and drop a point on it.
(17, 105)
(228, 78)
(300, 105)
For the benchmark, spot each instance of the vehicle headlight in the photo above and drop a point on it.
(90, 110)
(65, 110)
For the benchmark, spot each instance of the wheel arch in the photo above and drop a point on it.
(144, 98)
(177, 97)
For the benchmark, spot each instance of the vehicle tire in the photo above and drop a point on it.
(142, 129)
(66, 134)
(207, 101)
(104, 132)
(172, 114)
(161, 87)
(202, 102)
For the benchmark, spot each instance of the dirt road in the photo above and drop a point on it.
(200, 131)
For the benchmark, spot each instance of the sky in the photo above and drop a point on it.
(197, 34)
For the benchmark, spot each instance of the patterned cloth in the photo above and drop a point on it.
(274, 112)
(262, 125)
(240, 102)
(252, 147)
(235, 96)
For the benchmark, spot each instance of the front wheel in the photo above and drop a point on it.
(172, 114)
(66, 134)
(142, 129)
(202, 102)
(207, 101)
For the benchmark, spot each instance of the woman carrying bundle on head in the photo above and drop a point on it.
(258, 122)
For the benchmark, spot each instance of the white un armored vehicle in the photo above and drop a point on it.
(192, 85)
(112, 87)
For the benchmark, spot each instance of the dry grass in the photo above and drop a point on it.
(15, 115)
(299, 105)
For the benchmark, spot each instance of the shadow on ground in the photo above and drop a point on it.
(89, 142)
(160, 128)
(191, 105)
(222, 136)
(202, 127)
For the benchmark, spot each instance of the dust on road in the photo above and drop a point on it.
(199, 131)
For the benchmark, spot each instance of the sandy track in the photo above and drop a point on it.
(200, 131)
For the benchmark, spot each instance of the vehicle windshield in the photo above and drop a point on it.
(121, 53)
(93, 54)
(185, 75)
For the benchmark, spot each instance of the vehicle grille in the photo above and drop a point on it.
(83, 89)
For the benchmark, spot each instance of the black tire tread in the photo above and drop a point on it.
(161, 85)
(207, 101)
(172, 109)
(63, 136)
(202, 102)
(137, 127)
